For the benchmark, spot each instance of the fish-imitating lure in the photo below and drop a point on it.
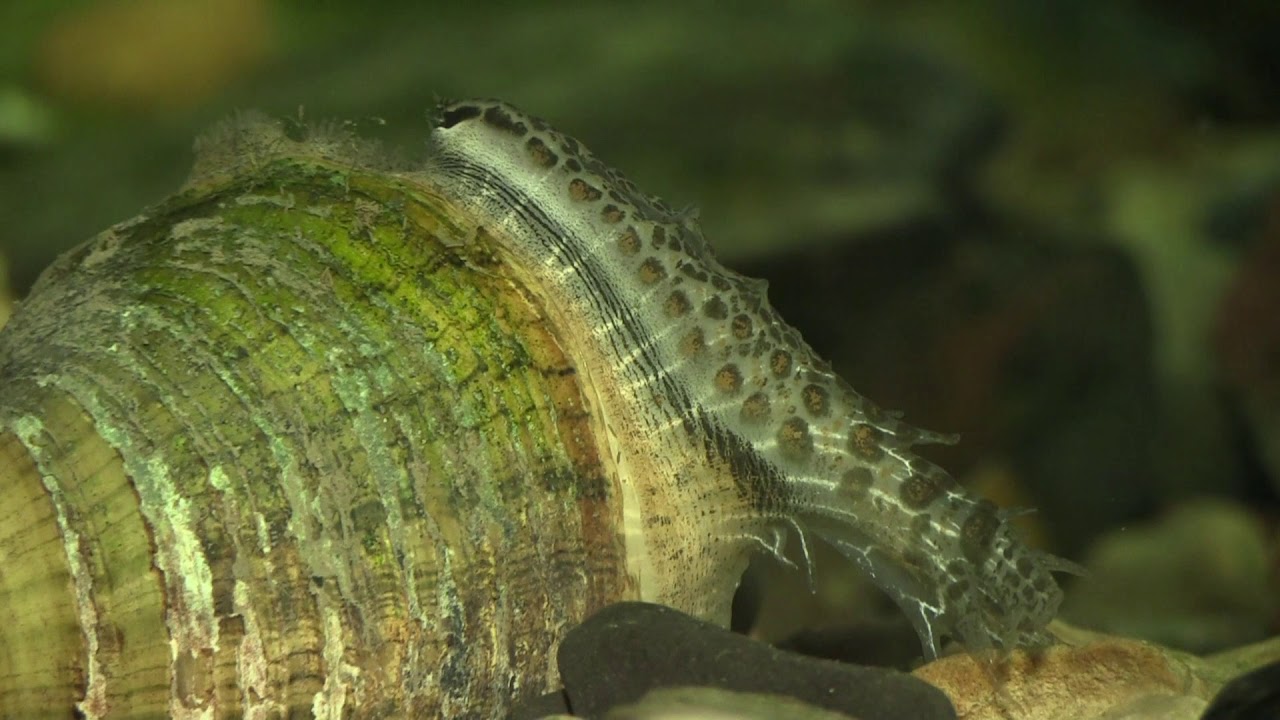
(699, 352)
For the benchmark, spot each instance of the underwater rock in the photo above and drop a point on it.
(1247, 342)
(704, 703)
(1062, 683)
(628, 649)
(1096, 677)
(1195, 579)
(1252, 696)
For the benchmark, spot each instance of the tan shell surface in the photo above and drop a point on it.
(298, 442)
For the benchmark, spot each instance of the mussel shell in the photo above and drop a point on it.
(293, 442)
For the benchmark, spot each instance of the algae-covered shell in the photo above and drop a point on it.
(298, 441)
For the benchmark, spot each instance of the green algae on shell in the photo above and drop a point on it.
(297, 440)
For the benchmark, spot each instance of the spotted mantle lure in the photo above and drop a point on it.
(701, 344)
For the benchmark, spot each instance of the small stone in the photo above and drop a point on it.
(1197, 577)
(628, 649)
(1102, 678)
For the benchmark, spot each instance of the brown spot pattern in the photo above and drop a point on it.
(741, 326)
(729, 379)
(498, 118)
(919, 491)
(659, 236)
(857, 482)
(581, 190)
(693, 344)
(817, 400)
(629, 241)
(794, 439)
(978, 531)
(612, 214)
(755, 409)
(677, 304)
(715, 308)
(652, 271)
(694, 271)
(864, 442)
(780, 363)
(541, 154)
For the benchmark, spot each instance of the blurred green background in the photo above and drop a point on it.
(1050, 225)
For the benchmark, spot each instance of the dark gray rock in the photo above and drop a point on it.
(627, 649)
(1252, 696)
